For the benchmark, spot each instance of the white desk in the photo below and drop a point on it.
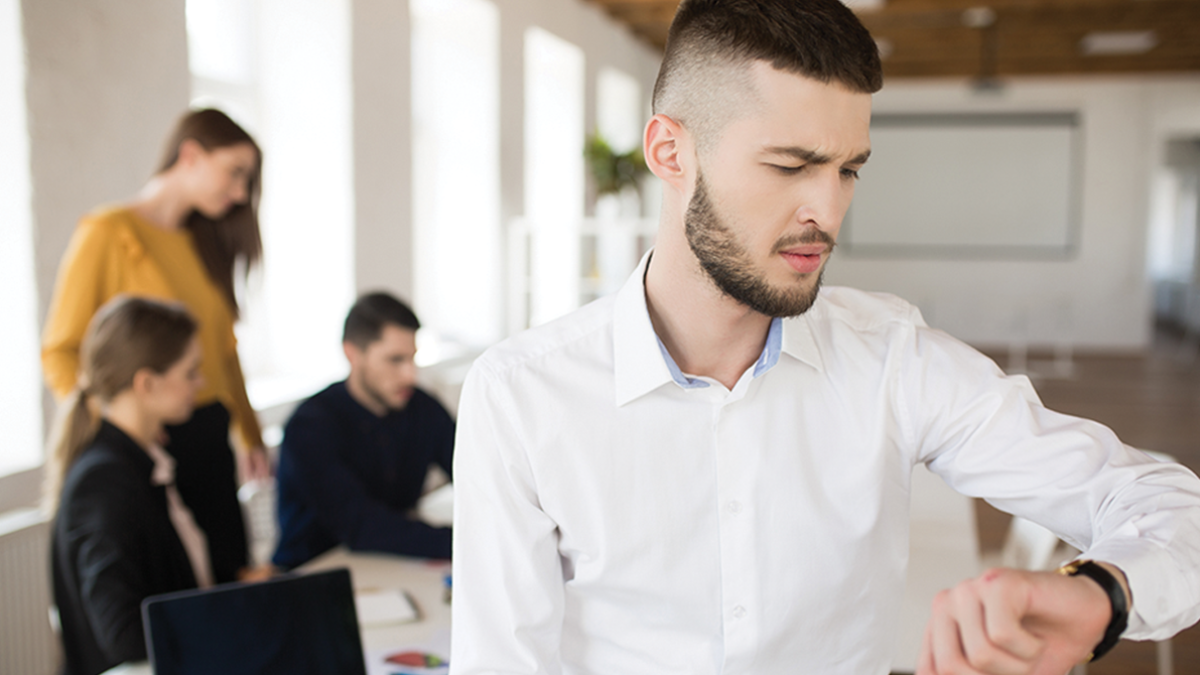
(423, 580)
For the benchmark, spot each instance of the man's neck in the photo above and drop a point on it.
(359, 393)
(705, 331)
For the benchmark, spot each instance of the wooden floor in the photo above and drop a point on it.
(1152, 401)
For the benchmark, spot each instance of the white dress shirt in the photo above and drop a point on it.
(612, 518)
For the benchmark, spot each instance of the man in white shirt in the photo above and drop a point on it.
(709, 471)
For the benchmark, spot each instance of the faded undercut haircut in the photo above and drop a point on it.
(704, 81)
(370, 313)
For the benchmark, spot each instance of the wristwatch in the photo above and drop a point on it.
(1116, 597)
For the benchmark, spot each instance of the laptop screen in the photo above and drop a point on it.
(298, 625)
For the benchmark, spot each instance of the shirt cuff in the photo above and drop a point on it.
(1160, 587)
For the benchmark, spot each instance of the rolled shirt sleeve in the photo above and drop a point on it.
(988, 435)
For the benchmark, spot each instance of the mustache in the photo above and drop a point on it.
(807, 237)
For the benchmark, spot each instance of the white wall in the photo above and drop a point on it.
(1100, 297)
(104, 83)
(382, 68)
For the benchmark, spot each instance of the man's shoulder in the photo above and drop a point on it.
(863, 311)
(424, 403)
(324, 403)
(586, 331)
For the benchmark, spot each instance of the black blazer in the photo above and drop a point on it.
(113, 546)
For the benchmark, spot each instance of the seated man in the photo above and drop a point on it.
(354, 457)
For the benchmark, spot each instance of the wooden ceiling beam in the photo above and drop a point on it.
(927, 38)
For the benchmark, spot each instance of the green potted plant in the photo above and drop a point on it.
(613, 172)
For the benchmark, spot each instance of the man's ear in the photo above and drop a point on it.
(353, 353)
(667, 147)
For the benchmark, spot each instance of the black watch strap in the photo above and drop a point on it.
(1116, 597)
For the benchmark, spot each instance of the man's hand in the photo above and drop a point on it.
(1012, 622)
(257, 572)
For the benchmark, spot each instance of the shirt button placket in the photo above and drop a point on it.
(741, 630)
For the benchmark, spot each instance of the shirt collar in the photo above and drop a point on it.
(642, 363)
(638, 366)
(799, 340)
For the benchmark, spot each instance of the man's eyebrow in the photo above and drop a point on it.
(812, 156)
(860, 158)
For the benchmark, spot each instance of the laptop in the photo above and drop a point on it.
(294, 625)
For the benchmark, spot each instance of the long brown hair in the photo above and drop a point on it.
(127, 334)
(235, 237)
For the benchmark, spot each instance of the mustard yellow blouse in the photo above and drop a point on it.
(116, 251)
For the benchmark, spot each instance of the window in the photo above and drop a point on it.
(456, 171)
(282, 68)
(548, 258)
(619, 109)
(21, 395)
(614, 240)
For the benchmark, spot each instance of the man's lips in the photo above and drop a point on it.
(805, 259)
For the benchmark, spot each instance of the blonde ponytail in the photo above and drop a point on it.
(75, 426)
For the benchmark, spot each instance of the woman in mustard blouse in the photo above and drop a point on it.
(180, 238)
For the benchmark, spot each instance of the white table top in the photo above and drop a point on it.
(423, 580)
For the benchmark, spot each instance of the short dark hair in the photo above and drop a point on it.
(713, 42)
(370, 313)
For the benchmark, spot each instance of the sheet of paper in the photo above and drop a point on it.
(384, 606)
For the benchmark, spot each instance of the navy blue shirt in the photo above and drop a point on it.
(347, 476)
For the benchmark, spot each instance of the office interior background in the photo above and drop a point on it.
(434, 148)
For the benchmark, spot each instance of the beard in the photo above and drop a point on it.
(728, 265)
(377, 394)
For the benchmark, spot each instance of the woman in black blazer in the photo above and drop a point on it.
(120, 528)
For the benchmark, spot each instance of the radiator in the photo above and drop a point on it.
(28, 645)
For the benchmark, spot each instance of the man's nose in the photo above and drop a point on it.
(824, 200)
(408, 373)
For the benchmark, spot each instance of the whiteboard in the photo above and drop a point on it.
(994, 185)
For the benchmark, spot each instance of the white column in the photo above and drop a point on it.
(104, 83)
(382, 75)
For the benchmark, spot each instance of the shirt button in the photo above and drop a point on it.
(739, 612)
(734, 507)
